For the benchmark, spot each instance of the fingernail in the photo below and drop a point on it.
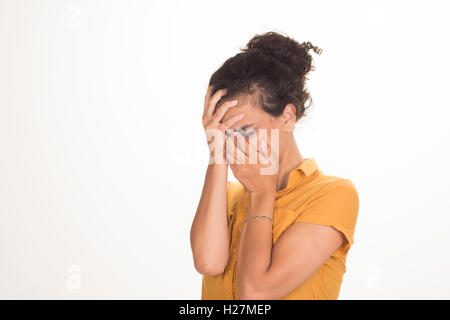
(234, 102)
(239, 116)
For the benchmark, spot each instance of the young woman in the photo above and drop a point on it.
(283, 234)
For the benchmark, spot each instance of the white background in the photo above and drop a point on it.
(103, 154)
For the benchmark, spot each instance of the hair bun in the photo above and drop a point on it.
(284, 49)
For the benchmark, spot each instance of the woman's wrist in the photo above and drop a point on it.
(262, 195)
(218, 165)
(261, 203)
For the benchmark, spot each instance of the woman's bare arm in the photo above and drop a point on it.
(209, 230)
(267, 271)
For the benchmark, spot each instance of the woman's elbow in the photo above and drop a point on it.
(208, 269)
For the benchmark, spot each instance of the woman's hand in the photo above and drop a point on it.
(214, 128)
(250, 160)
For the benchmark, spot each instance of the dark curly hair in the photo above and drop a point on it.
(274, 67)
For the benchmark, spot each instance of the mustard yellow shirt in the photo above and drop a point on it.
(310, 196)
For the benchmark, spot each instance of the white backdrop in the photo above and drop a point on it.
(103, 154)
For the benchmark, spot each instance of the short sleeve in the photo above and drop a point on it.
(233, 190)
(336, 205)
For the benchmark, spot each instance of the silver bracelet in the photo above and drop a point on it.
(252, 217)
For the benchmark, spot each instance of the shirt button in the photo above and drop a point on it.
(229, 271)
(234, 250)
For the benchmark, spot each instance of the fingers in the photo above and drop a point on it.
(235, 154)
(229, 149)
(205, 115)
(257, 151)
(236, 150)
(253, 147)
(241, 155)
(230, 122)
(253, 138)
(207, 97)
(210, 104)
(220, 113)
(263, 151)
(249, 132)
(239, 140)
(241, 143)
(257, 148)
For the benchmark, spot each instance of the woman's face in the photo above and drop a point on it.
(256, 118)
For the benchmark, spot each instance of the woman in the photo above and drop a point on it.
(280, 234)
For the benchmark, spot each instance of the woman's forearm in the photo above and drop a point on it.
(255, 245)
(209, 230)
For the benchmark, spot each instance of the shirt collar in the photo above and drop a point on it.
(308, 166)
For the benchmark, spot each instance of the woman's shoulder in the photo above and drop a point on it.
(326, 183)
(335, 202)
(334, 196)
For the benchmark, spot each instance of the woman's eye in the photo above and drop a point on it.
(248, 132)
